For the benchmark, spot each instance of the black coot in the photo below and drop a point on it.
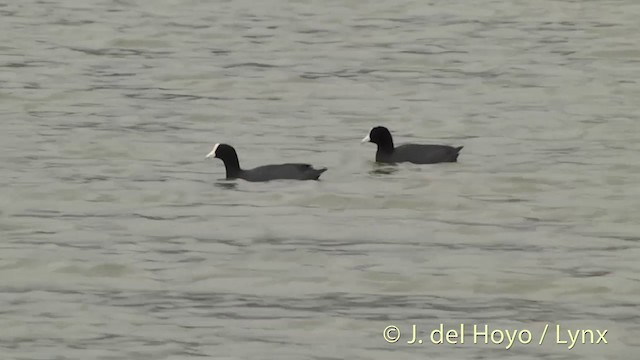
(413, 153)
(291, 171)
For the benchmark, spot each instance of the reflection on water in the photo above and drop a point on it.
(383, 169)
(227, 185)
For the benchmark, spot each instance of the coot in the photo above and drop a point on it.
(413, 153)
(291, 171)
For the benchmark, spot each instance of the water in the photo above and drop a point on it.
(120, 241)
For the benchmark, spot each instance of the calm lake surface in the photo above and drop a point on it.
(118, 240)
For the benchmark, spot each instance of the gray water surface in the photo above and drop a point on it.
(120, 241)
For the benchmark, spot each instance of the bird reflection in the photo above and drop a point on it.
(227, 185)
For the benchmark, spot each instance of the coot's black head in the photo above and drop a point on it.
(229, 157)
(380, 136)
(222, 152)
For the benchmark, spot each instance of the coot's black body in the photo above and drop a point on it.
(413, 153)
(289, 171)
